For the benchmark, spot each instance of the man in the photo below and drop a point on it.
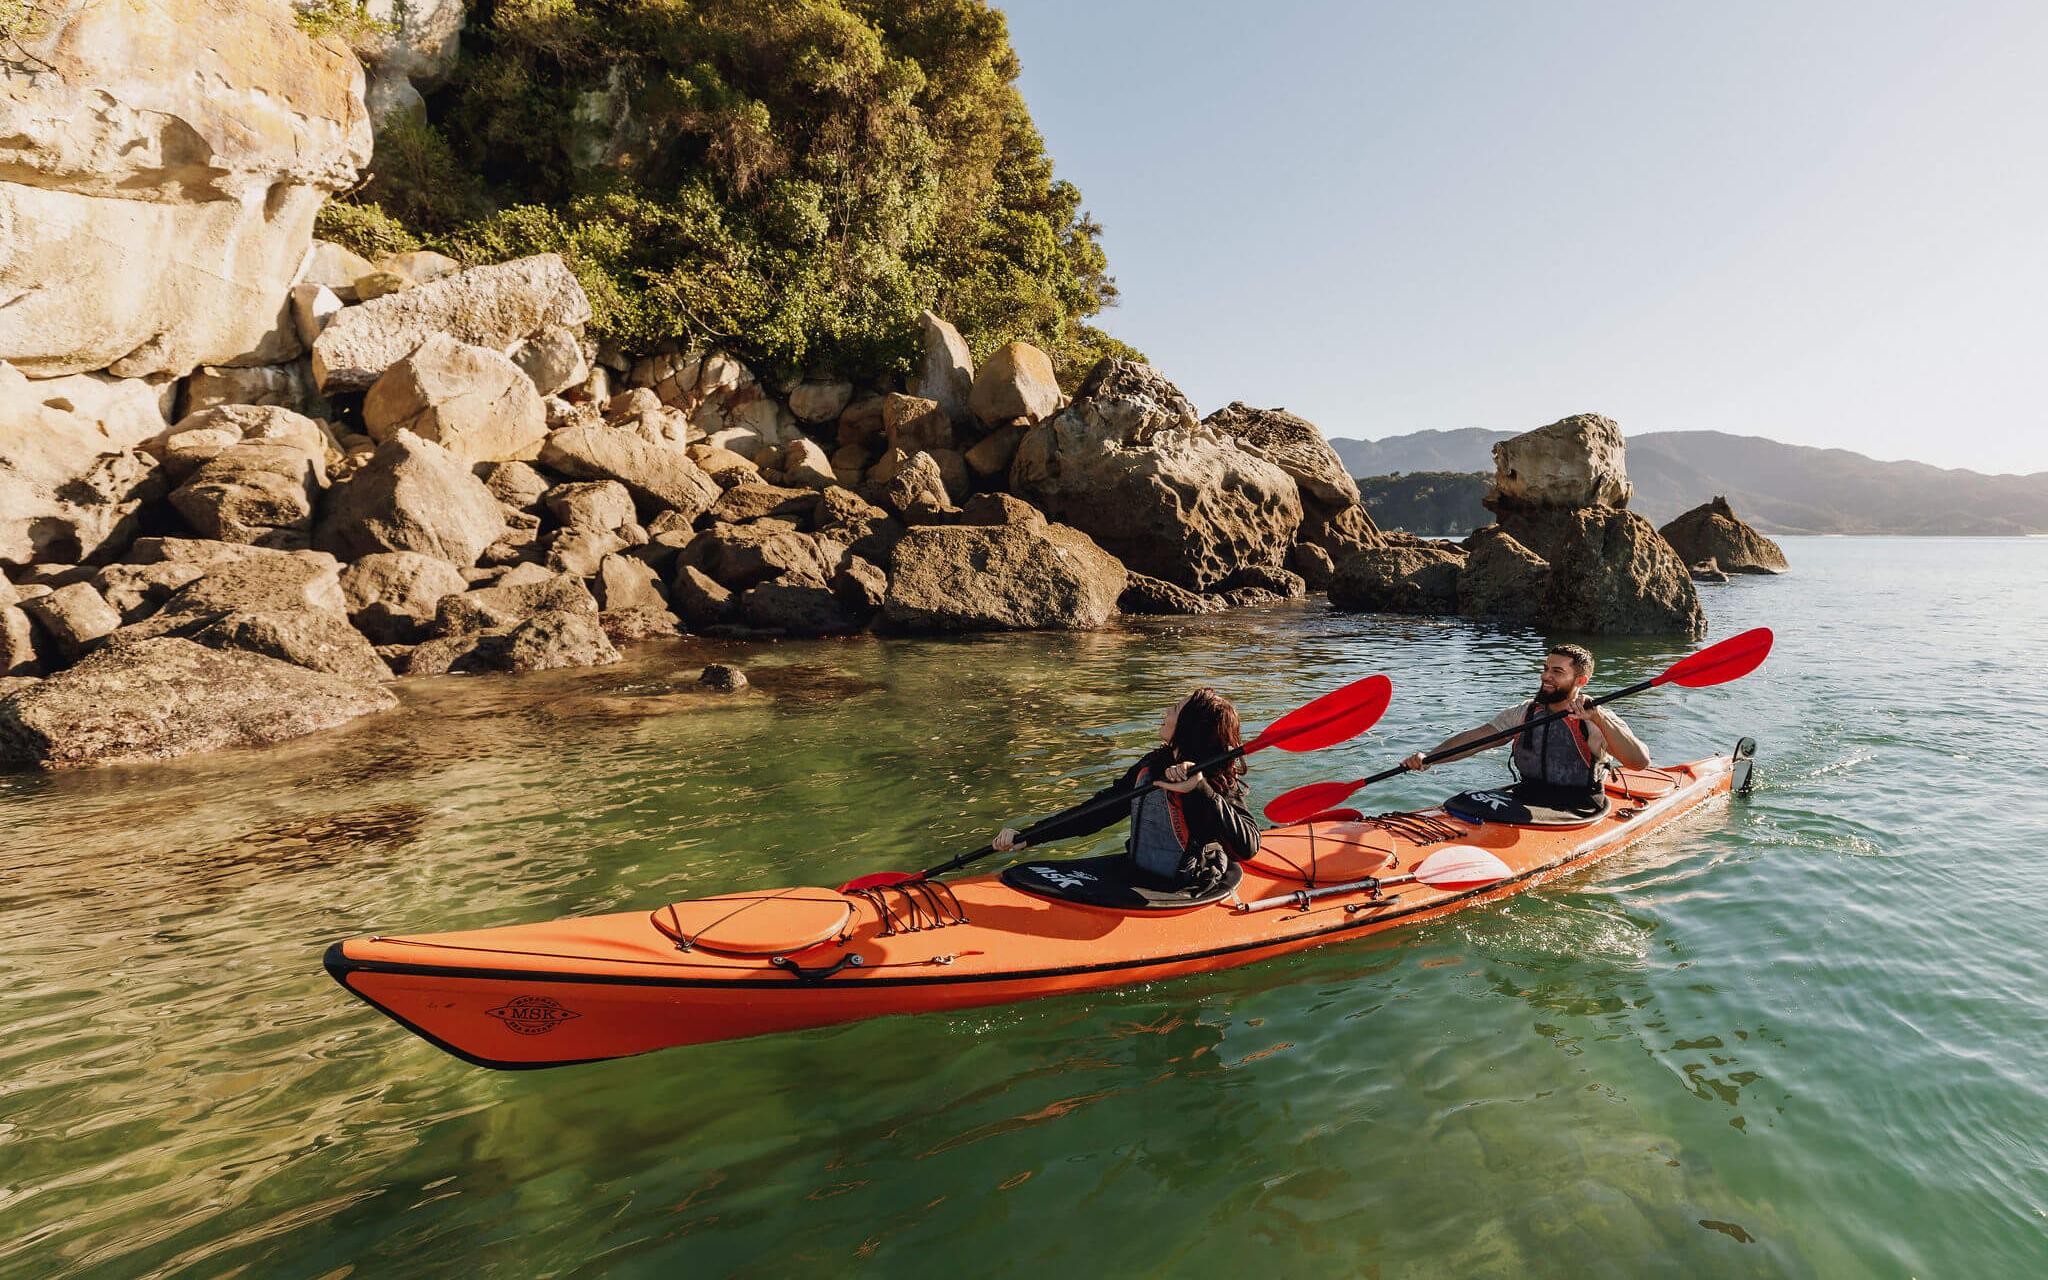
(1565, 757)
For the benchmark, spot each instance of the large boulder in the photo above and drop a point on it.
(912, 423)
(657, 470)
(393, 595)
(947, 373)
(1129, 464)
(1331, 515)
(1503, 580)
(495, 306)
(1026, 575)
(1015, 385)
(60, 499)
(162, 166)
(470, 400)
(1399, 578)
(412, 495)
(311, 638)
(254, 492)
(1611, 573)
(1712, 531)
(1578, 461)
(494, 608)
(556, 639)
(153, 699)
(74, 616)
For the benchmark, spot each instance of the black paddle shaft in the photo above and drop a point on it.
(1031, 833)
(1504, 734)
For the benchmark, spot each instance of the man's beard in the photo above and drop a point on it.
(1552, 697)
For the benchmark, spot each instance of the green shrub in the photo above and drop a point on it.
(364, 228)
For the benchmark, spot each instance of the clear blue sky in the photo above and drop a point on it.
(1818, 221)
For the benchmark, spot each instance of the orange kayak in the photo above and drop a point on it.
(747, 964)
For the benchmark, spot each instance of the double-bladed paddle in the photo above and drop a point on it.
(1731, 659)
(1462, 866)
(1335, 717)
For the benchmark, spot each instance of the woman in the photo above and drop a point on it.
(1184, 830)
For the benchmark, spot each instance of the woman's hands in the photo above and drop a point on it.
(1417, 763)
(1177, 779)
(1007, 840)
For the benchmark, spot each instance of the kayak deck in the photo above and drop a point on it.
(599, 987)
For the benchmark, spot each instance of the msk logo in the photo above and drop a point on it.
(1492, 799)
(532, 1015)
(1065, 879)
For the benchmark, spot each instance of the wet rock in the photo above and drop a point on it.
(73, 617)
(557, 639)
(506, 605)
(1000, 577)
(412, 495)
(1128, 464)
(1712, 531)
(393, 596)
(317, 641)
(1399, 579)
(1016, 385)
(154, 699)
(658, 472)
(725, 679)
(1313, 563)
(470, 400)
(1143, 595)
(1707, 570)
(628, 626)
(493, 306)
(796, 607)
(1281, 584)
(1611, 573)
(1503, 580)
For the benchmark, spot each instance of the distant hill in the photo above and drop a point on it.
(1779, 488)
(1432, 503)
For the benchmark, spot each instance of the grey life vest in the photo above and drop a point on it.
(1158, 840)
(1555, 754)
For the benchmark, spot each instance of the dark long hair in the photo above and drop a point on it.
(1208, 727)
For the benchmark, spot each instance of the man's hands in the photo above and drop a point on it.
(1417, 763)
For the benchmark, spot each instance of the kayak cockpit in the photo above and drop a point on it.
(1111, 883)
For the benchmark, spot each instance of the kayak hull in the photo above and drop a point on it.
(601, 987)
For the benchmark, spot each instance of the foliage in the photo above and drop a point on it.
(365, 228)
(349, 19)
(795, 181)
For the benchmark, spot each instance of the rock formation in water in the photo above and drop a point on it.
(1712, 532)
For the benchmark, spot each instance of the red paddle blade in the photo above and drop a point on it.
(1304, 803)
(1731, 659)
(1333, 718)
(876, 880)
(1461, 866)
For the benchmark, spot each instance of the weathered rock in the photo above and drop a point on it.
(518, 544)
(1503, 580)
(412, 495)
(1130, 465)
(19, 655)
(580, 551)
(1711, 531)
(818, 400)
(1612, 574)
(516, 484)
(73, 617)
(1420, 578)
(1707, 570)
(552, 360)
(1314, 564)
(796, 608)
(740, 555)
(630, 626)
(725, 467)
(854, 522)
(1578, 461)
(912, 423)
(502, 606)
(309, 638)
(1281, 584)
(138, 590)
(162, 165)
(451, 655)
(1145, 595)
(723, 678)
(468, 399)
(1295, 445)
(494, 306)
(700, 599)
(253, 492)
(745, 502)
(1016, 385)
(153, 699)
(860, 586)
(603, 505)
(625, 583)
(53, 436)
(393, 595)
(557, 639)
(1000, 577)
(658, 473)
(263, 582)
(916, 492)
(272, 384)
(632, 403)
(999, 508)
(947, 374)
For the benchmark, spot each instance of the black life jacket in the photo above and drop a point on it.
(1555, 754)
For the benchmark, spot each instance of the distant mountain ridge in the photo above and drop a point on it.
(1779, 488)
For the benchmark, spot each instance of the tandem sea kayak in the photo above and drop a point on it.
(747, 964)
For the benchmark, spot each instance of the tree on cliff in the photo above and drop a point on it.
(792, 181)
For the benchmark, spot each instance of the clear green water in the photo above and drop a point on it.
(1802, 1034)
